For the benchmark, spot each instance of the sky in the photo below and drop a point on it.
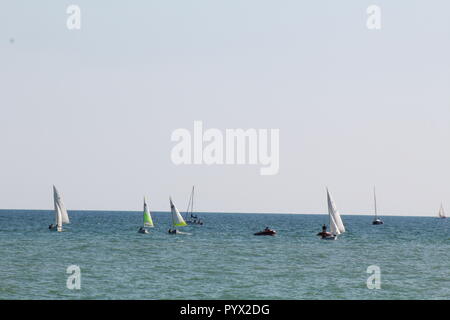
(92, 110)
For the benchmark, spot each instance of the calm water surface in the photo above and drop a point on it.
(221, 259)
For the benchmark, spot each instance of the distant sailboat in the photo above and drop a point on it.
(336, 224)
(148, 222)
(441, 212)
(177, 219)
(61, 215)
(376, 220)
(189, 216)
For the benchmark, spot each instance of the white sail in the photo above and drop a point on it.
(60, 204)
(58, 215)
(441, 212)
(336, 225)
(177, 219)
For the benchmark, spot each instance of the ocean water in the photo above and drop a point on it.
(221, 259)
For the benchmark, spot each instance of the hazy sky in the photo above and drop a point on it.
(92, 110)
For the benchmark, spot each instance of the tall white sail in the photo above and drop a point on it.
(58, 215)
(177, 219)
(148, 222)
(60, 204)
(336, 225)
(441, 212)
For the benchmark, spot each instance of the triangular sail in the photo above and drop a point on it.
(190, 207)
(441, 212)
(336, 225)
(148, 222)
(177, 219)
(60, 204)
(58, 215)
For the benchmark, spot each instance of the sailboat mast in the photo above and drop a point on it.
(192, 202)
(190, 206)
(375, 202)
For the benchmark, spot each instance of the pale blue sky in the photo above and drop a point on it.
(92, 111)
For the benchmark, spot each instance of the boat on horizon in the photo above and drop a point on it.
(177, 219)
(336, 224)
(441, 213)
(376, 220)
(61, 215)
(189, 217)
(148, 222)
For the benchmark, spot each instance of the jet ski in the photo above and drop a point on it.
(266, 232)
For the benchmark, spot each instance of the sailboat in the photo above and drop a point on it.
(148, 222)
(336, 224)
(441, 212)
(376, 219)
(177, 219)
(189, 216)
(61, 215)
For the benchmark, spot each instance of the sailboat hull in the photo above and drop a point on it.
(377, 222)
(191, 222)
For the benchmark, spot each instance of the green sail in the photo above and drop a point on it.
(177, 219)
(148, 222)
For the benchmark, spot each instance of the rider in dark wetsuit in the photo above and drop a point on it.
(324, 231)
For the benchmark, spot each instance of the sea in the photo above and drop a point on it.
(405, 258)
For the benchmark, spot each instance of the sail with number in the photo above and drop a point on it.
(336, 224)
(148, 222)
(177, 219)
(441, 212)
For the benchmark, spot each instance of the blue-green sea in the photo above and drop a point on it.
(222, 259)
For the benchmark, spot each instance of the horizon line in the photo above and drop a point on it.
(234, 212)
